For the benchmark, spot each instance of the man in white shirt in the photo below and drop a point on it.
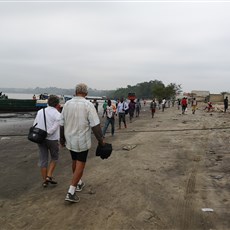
(78, 117)
(163, 104)
(50, 144)
(110, 112)
(121, 108)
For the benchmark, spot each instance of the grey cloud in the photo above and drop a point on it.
(111, 45)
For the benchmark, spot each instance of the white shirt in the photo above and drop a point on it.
(121, 107)
(52, 122)
(78, 116)
(109, 111)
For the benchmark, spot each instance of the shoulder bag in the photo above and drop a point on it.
(38, 135)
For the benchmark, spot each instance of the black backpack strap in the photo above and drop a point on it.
(44, 117)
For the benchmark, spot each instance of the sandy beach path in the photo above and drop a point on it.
(179, 165)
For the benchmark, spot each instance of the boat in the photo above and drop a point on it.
(41, 103)
(19, 105)
(26, 105)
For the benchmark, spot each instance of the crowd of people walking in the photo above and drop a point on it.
(71, 128)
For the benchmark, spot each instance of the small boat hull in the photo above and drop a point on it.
(18, 105)
(42, 103)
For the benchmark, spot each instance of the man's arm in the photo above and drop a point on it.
(98, 134)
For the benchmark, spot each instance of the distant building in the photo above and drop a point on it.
(200, 95)
(216, 97)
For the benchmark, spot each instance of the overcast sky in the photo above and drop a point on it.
(109, 45)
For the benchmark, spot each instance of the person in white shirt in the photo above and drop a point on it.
(121, 108)
(194, 105)
(163, 104)
(78, 117)
(50, 145)
(110, 112)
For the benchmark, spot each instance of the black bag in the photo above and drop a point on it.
(104, 151)
(37, 135)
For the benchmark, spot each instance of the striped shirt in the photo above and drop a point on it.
(78, 116)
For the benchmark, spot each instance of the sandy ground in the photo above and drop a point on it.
(181, 164)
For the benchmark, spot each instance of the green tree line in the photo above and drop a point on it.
(148, 90)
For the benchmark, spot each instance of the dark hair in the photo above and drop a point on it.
(53, 100)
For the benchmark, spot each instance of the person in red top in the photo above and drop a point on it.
(132, 106)
(209, 106)
(184, 104)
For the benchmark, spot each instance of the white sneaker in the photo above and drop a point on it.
(80, 187)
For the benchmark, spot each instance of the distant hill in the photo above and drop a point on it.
(52, 90)
(151, 89)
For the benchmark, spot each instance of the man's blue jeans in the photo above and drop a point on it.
(107, 122)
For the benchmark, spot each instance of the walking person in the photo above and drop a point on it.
(153, 106)
(159, 104)
(178, 103)
(132, 106)
(95, 103)
(138, 107)
(110, 119)
(225, 104)
(163, 103)
(78, 117)
(194, 105)
(104, 108)
(184, 104)
(121, 108)
(50, 145)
